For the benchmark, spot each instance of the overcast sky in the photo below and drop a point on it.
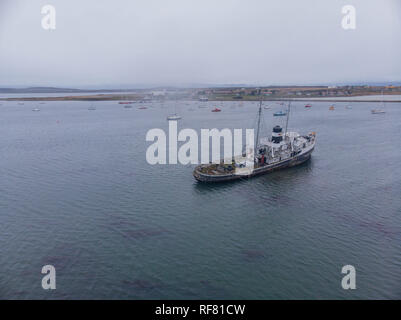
(182, 42)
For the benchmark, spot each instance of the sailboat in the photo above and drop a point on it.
(175, 115)
(92, 107)
(379, 111)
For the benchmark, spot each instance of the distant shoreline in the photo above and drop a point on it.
(293, 93)
(137, 98)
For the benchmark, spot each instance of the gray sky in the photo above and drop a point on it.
(182, 42)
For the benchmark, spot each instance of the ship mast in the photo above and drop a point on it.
(258, 128)
(288, 116)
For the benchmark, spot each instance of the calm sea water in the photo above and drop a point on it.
(76, 192)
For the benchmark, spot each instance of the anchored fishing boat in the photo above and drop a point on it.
(308, 106)
(280, 151)
(216, 110)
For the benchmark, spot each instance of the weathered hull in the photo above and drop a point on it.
(297, 160)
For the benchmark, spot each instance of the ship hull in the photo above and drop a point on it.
(291, 162)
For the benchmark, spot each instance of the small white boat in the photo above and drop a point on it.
(35, 109)
(173, 117)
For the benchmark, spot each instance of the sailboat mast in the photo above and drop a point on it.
(288, 116)
(258, 128)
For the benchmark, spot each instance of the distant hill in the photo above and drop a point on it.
(40, 90)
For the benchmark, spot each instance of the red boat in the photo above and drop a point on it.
(216, 110)
(308, 106)
(126, 102)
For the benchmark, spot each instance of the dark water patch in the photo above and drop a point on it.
(143, 284)
(142, 233)
(254, 255)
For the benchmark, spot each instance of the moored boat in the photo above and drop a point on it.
(278, 152)
(279, 113)
(216, 110)
(377, 111)
(173, 117)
